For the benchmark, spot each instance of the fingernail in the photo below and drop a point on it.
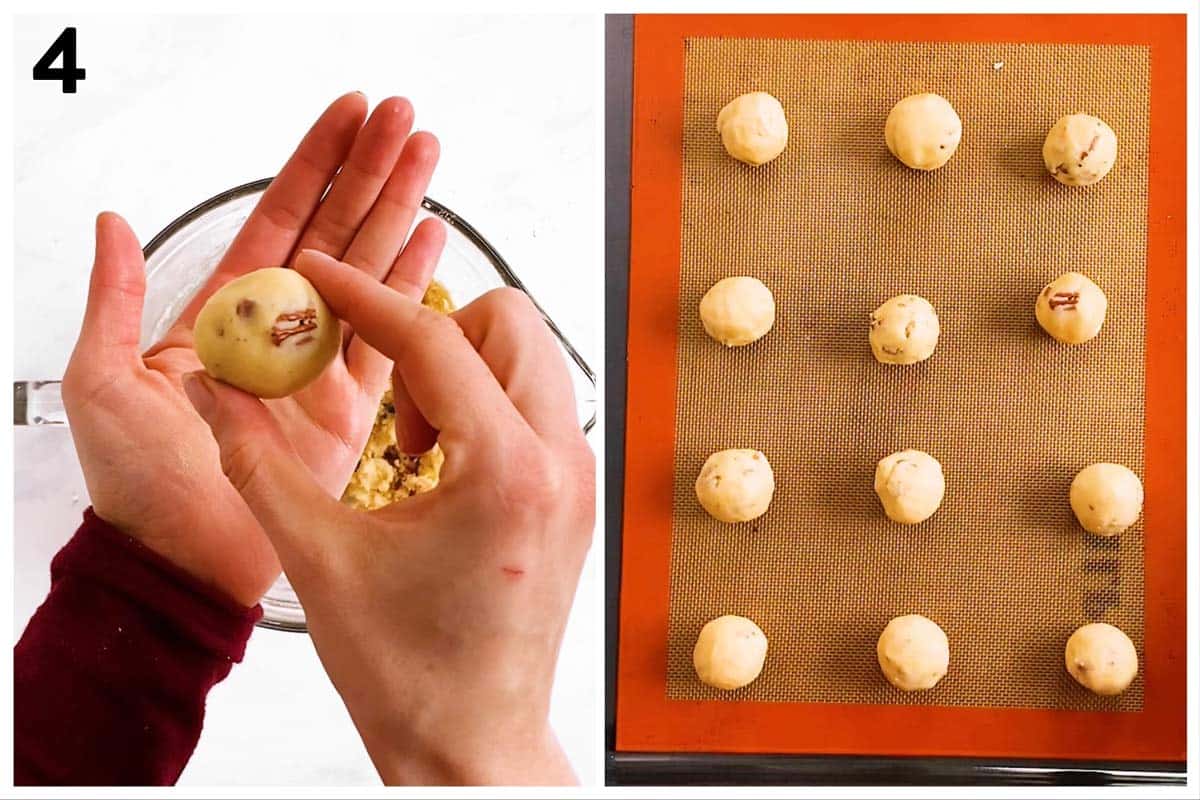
(200, 396)
(313, 255)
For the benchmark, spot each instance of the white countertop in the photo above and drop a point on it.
(177, 109)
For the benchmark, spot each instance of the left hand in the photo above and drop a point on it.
(149, 461)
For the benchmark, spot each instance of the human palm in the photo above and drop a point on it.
(152, 469)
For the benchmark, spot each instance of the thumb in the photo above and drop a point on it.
(112, 322)
(266, 471)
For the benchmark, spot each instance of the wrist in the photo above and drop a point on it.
(503, 758)
(240, 580)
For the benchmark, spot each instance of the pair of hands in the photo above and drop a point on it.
(438, 619)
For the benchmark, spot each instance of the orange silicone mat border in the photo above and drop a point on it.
(646, 721)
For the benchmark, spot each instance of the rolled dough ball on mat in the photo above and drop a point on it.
(737, 311)
(910, 484)
(267, 332)
(1080, 149)
(753, 128)
(729, 652)
(1106, 498)
(914, 652)
(904, 330)
(735, 485)
(1102, 658)
(923, 131)
(1071, 308)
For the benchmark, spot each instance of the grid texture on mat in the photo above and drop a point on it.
(835, 226)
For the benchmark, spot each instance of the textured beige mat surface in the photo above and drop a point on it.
(835, 226)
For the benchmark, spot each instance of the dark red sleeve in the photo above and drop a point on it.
(111, 674)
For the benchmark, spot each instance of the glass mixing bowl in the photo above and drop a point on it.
(180, 259)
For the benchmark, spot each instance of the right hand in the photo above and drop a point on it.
(438, 618)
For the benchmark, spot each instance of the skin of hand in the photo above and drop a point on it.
(437, 618)
(149, 461)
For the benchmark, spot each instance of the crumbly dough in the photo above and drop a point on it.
(923, 131)
(913, 652)
(753, 128)
(1102, 658)
(1106, 498)
(384, 474)
(735, 485)
(1080, 150)
(910, 484)
(737, 311)
(904, 330)
(729, 652)
(267, 332)
(437, 297)
(1071, 308)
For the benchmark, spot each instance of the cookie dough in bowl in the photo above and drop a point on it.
(753, 128)
(1080, 150)
(267, 332)
(910, 484)
(923, 131)
(1102, 658)
(1071, 308)
(737, 311)
(735, 485)
(913, 652)
(904, 330)
(1106, 498)
(729, 652)
(384, 474)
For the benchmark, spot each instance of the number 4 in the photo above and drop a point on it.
(68, 73)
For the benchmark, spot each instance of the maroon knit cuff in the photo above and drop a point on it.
(103, 555)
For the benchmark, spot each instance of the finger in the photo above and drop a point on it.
(112, 321)
(410, 276)
(512, 337)
(265, 470)
(414, 435)
(273, 228)
(449, 383)
(382, 233)
(358, 184)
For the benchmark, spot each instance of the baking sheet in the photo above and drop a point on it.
(834, 227)
(659, 709)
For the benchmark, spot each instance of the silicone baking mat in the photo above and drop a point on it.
(835, 226)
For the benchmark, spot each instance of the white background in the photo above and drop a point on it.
(177, 109)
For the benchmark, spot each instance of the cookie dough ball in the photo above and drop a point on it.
(1071, 308)
(1106, 498)
(923, 131)
(729, 652)
(737, 311)
(268, 333)
(1102, 658)
(904, 330)
(914, 653)
(753, 128)
(735, 485)
(1080, 149)
(910, 484)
